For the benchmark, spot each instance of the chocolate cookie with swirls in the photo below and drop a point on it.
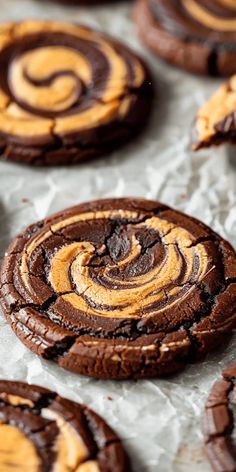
(220, 423)
(121, 288)
(216, 119)
(197, 35)
(43, 432)
(67, 93)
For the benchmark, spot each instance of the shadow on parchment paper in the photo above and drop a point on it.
(135, 457)
(231, 153)
(5, 226)
(158, 117)
(9, 223)
(156, 122)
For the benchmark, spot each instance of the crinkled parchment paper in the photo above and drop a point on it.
(159, 421)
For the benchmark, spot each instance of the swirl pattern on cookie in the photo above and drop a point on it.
(67, 91)
(42, 432)
(198, 18)
(220, 421)
(204, 30)
(129, 282)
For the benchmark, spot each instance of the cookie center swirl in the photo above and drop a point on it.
(134, 281)
(203, 15)
(49, 78)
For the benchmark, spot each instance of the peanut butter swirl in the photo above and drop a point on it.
(42, 432)
(212, 20)
(66, 88)
(121, 280)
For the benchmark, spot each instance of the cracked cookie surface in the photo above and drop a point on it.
(43, 432)
(120, 288)
(220, 421)
(197, 35)
(67, 93)
(216, 119)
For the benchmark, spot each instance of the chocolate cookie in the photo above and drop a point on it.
(122, 288)
(216, 119)
(42, 432)
(220, 423)
(197, 35)
(67, 92)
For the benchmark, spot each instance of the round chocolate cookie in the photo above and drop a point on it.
(67, 93)
(220, 423)
(43, 432)
(122, 288)
(197, 35)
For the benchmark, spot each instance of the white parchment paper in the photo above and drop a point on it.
(159, 421)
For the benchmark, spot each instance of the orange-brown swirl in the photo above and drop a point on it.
(108, 293)
(211, 20)
(42, 432)
(113, 273)
(61, 83)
